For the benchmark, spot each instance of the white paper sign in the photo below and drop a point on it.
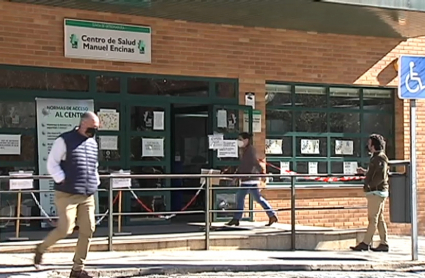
(273, 146)
(107, 41)
(158, 120)
(256, 121)
(344, 147)
(21, 184)
(222, 118)
(121, 181)
(309, 146)
(284, 168)
(10, 144)
(109, 119)
(152, 147)
(312, 168)
(215, 141)
(250, 99)
(350, 167)
(108, 143)
(229, 149)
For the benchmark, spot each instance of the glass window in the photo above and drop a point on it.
(304, 167)
(278, 121)
(308, 96)
(16, 114)
(274, 167)
(344, 98)
(226, 90)
(311, 146)
(28, 148)
(168, 87)
(279, 146)
(136, 150)
(378, 100)
(378, 123)
(344, 122)
(278, 95)
(108, 155)
(234, 123)
(108, 84)
(42, 80)
(142, 118)
(311, 122)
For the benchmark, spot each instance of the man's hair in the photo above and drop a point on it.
(86, 116)
(377, 141)
(246, 135)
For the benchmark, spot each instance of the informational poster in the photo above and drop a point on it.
(120, 180)
(10, 144)
(250, 99)
(344, 147)
(350, 167)
(215, 141)
(25, 182)
(256, 121)
(222, 118)
(108, 143)
(274, 146)
(158, 120)
(312, 168)
(109, 119)
(54, 117)
(229, 149)
(309, 146)
(152, 147)
(284, 167)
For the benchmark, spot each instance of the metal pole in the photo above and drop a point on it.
(111, 216)
(414, 215)
(207, 214)
(293, 213)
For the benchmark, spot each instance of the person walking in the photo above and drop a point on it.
(250, 185)
(376, 189)
(73, 165)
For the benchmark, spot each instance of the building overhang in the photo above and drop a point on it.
(390, 18)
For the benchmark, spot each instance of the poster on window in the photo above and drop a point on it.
(309, 146)
(274, 146)
(344, 147)
(54, 117)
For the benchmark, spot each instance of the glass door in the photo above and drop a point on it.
(228, 120)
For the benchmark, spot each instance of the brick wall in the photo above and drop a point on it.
(33, 35)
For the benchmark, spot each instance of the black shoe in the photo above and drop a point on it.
(233, 222)
(38, 257)
(272, 220)
(80, 274)
(381, 248)
(360, 247)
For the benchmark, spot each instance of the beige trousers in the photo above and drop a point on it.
(69, 208)
(375, 211)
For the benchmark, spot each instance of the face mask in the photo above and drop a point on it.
(91, 131)
(240, 144)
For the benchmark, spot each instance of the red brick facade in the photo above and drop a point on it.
(33, 35)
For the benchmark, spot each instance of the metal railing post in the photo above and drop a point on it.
(293, 235)
(110, 216)
(207, 214)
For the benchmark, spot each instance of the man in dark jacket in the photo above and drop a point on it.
(376, 189)
(73, 164)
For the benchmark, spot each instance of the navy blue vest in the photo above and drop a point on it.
(80, 164)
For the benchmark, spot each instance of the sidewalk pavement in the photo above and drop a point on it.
(126, 264)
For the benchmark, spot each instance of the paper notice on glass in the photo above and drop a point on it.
(108, 143)
(229, 149)
(152, 147)
(284, 168)
(119, 179)
(309, 146)
(250, 99)
(256, 121)
(312, 168)
(344, 147)
(10, 144)
(109, 119)
(350, 167)
(158, 120)
(20, 184)
(222, 118)
(273, 146)
(215, 141)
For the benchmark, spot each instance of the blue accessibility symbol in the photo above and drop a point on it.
(411, 77)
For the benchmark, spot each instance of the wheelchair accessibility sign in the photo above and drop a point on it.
(411, 77)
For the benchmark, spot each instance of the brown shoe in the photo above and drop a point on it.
(233, 222)
(381, 248)
(360, 247)
(272, 220)
(38, 257)
(79, 274)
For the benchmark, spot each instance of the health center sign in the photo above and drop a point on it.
(54, 117)
(107, 41)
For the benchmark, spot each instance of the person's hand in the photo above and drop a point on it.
(361, 170)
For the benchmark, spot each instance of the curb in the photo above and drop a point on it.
(135, 272)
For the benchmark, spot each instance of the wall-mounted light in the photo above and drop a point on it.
(395, 64)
